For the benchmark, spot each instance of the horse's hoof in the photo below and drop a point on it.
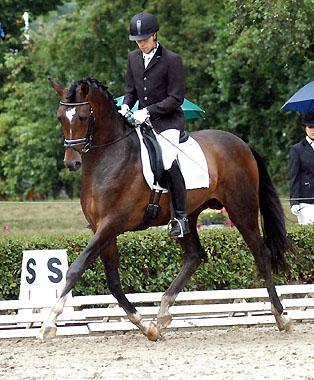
(164, 322)
(47, 332)
(153, 332)
(289, 326)
(284, 323)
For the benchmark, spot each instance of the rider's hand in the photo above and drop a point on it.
(124, 110)
(295, 209)
(140, 116)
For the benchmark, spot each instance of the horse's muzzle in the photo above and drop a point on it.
(73, 165)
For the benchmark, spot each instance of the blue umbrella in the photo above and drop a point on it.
(191, 110)
(302, 100)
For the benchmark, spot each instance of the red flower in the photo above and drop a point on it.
(229, 223)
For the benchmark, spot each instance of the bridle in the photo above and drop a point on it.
(87, 140)
(72, 143)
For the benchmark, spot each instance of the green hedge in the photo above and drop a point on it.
(150, 261)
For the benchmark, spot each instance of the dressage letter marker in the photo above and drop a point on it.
(43, 276)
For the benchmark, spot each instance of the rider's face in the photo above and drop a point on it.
(309, 130)
(148, 45)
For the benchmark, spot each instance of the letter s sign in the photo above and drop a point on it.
(51, 262)
(43, 275)
(31, 271)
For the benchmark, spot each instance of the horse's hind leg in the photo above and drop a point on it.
(247, 224)
(193, 255)
(263, 262)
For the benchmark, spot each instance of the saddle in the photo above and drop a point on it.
(155, 158)
(155, 154)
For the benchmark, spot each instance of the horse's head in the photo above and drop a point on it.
(74, 115)
(81, 105)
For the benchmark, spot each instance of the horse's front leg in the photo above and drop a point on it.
(110, 258)
(77, 268)
(193, 255)
(49, 328)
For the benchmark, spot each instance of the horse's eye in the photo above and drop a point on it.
(83, 118)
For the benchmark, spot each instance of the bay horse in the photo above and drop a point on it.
(114, 196)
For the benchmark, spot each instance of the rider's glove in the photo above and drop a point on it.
(295, 209)
(124, 110)
(140, 116)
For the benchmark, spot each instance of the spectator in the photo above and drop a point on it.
(302, 173)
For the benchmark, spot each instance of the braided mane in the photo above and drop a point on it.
(93, 82)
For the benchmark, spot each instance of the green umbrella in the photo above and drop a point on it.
(191, 110)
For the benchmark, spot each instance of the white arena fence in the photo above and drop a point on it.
(93, 314)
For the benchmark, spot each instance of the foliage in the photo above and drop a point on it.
(149, 261)
(213, 217)
(12, 25)
(243, 60)
(267, 55)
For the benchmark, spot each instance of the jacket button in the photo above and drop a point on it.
(145, 98)
(145, 78)
(145, 88)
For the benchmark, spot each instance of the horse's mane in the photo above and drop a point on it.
(93, 82)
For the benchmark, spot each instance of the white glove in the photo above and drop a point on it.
(295, 209)
(140, 116)
(124, 110)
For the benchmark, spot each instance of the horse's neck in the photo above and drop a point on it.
(112, 154)
(103, 169)
(108, 124)
(113, 146)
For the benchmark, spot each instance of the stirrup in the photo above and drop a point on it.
(182, 224)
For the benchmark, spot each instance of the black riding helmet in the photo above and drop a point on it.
(308, 119)
(143, 26)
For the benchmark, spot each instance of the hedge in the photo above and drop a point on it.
(150, 261)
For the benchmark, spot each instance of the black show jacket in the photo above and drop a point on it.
(301, 172)
(160, 87)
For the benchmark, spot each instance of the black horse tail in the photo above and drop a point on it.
(272, 219)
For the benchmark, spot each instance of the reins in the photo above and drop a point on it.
(72, 143)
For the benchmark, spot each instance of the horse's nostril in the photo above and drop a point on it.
(72, 165)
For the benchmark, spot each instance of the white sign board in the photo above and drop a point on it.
(43, 276)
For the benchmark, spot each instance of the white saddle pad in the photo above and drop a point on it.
(192, 163)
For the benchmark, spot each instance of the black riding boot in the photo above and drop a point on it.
(179, 222)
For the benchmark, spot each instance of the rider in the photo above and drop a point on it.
(155, 77)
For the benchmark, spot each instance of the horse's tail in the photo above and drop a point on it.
(272, 218)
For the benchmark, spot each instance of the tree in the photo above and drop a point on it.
(242, 59)
(265, 53)
(12, 26)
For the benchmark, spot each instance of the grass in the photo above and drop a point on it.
(42, 218)
(290, 218)
(58, 217)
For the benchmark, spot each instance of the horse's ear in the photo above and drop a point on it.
(85, 88)
(58, 88)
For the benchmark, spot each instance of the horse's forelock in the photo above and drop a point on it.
(71, 93)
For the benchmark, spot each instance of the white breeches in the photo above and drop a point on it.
(168, 141)
(306, 213)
